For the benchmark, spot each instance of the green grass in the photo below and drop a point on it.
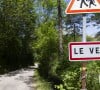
(41, 84)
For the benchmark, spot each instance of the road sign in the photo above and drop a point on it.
(84, 51)
(83, 6)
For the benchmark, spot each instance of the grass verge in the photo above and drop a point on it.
(41, 84)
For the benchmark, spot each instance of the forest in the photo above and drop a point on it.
(39, 31)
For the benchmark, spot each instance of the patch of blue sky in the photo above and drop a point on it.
(67, 1)
(91, 30)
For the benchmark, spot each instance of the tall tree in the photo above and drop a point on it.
(16, 32)
(60, 28)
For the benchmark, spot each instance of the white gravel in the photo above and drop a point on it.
(18, 80)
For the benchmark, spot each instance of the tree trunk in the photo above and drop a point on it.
(60, 28)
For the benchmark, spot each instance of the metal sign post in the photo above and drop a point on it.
(82, 6)
(84, 29)
(83, 79)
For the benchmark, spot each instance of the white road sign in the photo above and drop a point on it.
(84, 51)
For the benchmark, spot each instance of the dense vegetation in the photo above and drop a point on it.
(16, 33)
(32, 30)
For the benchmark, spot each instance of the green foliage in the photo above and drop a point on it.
(17, 46)
(89, 38)
(41, 84)
(17, 23)
(46, 48)
(48, 3)
(97, 36)
(97, 18)
(93, 72)
(71, 78)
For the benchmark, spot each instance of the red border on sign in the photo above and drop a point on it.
(69, 11)
(81, 59)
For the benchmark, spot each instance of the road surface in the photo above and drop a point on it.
(18, 80)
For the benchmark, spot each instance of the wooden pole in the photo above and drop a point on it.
(84, 76)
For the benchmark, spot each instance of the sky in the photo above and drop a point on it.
(90, 30)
